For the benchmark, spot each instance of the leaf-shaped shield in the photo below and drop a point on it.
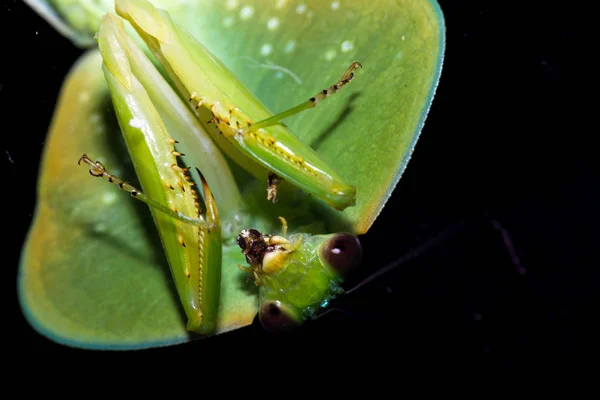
(93, 273)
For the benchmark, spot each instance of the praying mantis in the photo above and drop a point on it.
(188, 123)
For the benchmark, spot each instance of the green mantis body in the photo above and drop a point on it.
(188, 125)
(192, 238)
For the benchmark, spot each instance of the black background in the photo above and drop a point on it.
(500, 146)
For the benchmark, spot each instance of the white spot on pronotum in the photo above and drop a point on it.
(84, 97)
(403, 37)
(280, 3)
(228, 21)
(289, 46)
(100, 227)
(273, 23)
(109, 197)
(279, 75)
(136, 122)
(330, 55)
(94, 118)
(301, 9)
(335, 5)
(398, 56)
(232, 4)
(36, 32)
(246, 12)
(266, 49)
(347, 46)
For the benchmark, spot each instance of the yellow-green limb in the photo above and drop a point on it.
(346, 78)
(98, 170)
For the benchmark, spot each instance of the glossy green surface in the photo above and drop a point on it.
(93, 270)
(93, 273)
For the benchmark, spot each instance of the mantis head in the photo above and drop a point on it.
(298, 275)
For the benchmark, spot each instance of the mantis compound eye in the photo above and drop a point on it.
(275, 316)
(342, 252)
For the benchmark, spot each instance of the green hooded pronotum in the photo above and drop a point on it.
(167, 104)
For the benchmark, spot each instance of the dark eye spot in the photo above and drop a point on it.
(241, 242)
(254, 233)
(274, 316)
(342, 252)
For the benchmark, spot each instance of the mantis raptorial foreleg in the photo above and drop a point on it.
(98, 170)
